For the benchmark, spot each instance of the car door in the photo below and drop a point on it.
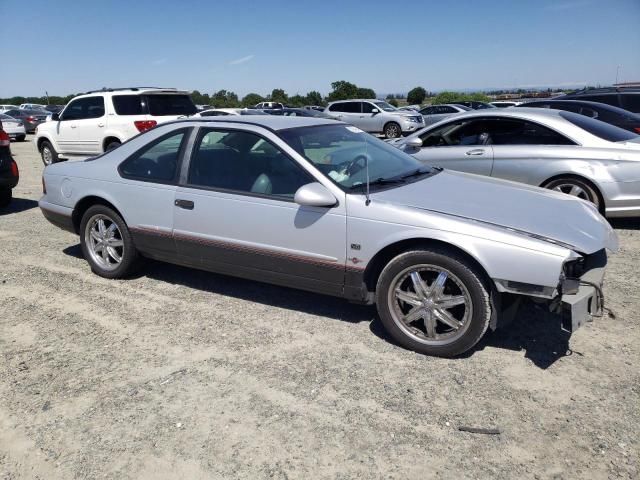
(148, 190)
(521, 147)
(234, 213)
(349, 112)
(79, 127)
(370, 118)
(458, 145)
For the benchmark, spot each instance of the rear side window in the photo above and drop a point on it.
(609, 99)
(156, 162)
(631, 102)
(600, 129)
(347, 107)
(127, 104)
(159, 105)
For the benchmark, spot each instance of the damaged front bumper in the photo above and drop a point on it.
(581, 297)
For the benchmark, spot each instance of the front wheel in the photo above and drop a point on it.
(111, 145)
(106, 243)
(433, 302)
(392, 130)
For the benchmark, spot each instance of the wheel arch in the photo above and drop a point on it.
(383, 257)
(43, 139)
(108, 139)
(582, 178)
(84, 204)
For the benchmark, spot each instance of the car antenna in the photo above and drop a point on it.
(366, 164)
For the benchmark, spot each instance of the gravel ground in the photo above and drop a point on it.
(178, 373)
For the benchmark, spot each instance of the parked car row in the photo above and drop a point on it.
(9, 174)
(320, 205)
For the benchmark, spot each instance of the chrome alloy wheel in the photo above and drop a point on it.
(104, 242)
(393, 131)
(430, 304)
(573, 189)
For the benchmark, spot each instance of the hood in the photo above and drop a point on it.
(531, 210)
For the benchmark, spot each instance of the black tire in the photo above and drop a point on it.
(111, 145)
(392, 130)
(128, 252)
(20, 138)
(48, 153)
(5, 197)
(474, 320)
(565, 185)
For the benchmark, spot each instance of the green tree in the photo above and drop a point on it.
(393, 101)
(297, 101)
(314, 98)
(416, 96)
(224, 99)
(251, 99)
(390, 96)
(342, 90)
(278, 95)
(365, 93)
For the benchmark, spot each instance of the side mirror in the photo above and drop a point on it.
(314, 195)
(375, 111)
(414, 142)
(55, 117)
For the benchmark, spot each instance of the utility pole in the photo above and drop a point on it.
(617, 72)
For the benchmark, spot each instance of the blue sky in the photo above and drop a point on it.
(68, 46)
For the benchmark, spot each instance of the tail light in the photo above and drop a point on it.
(144, 125)
(31, 119)
(5, 141)
(637, 129)
(14, 169)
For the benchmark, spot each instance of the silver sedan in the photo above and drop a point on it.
(320, 205)
(559, 150)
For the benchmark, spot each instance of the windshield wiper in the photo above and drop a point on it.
(379, 181)
(419, 172)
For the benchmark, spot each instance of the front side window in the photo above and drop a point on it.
(470, 132)
(385, 106)
(368, 107)
(244, 162)
(346, 107)
(344, 154)
(84, 108)
(156, 162)
(428, 111)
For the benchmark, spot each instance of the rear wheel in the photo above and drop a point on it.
(433, 302)
(5, 197)
(576, 187)
(106, 243)
(112, 144)
(392, 130)
(48, 153)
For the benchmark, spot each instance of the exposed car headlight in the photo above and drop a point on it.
(413, 119)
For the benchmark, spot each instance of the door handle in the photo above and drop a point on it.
(475, 151)
(186, 204)
(72, 126)
(101, 124)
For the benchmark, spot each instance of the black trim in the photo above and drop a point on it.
(147, 146)
(65, 222)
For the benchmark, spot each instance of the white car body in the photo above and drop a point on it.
(213, 112)
(4, 108)
(31, 106)
(101, 125)
(13, 127)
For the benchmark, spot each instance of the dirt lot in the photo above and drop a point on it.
(183, 374)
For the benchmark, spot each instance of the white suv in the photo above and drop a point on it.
(101, 120)
(376, 116)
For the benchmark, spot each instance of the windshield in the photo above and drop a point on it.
(341, 152)
(385, 106)
(600, 129)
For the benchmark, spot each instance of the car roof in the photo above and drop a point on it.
(359, 100)
(270, 122)
(586, 103)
